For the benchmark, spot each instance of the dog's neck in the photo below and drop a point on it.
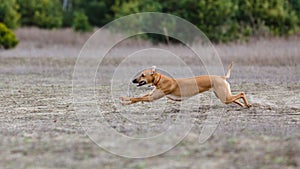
(155, 83)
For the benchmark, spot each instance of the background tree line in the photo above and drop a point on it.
(220, 20)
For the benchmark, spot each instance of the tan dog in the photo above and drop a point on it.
(178, 89)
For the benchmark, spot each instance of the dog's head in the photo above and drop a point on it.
(145, 77)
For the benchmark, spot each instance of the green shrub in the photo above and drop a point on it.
(122, 8)
(41, 13)
(9, 14)
(296, 7)
(216, 19)
(81, 22)
(67, 20)
(99, 12)
(7, 37)
(274, 16)
(224, 20)
(213, 17)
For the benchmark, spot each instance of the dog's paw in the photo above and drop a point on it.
(124, 98)
(126, 103)
(249, 105)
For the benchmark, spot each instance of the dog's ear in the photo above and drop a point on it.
(153, 70)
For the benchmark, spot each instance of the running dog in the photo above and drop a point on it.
(179, 89)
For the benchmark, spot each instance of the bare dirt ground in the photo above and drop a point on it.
(40, 129)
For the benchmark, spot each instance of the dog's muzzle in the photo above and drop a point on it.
(141, 83)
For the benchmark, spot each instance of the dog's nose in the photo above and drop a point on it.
(134, 81)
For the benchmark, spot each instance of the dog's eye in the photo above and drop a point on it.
(143, 75)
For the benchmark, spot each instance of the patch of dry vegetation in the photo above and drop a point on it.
(36, 42)
(271, 52)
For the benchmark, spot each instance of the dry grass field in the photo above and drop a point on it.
(40, 129)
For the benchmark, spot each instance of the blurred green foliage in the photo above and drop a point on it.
(81, 23)
(7, 37)
(225, 20)
(41, 13)
(9, 14)
(98, 11)
(296, 7)
(220, 20)
(277, 17)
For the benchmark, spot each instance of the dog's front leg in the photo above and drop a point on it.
(156, 94)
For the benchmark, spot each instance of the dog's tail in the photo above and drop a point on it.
(228, 72)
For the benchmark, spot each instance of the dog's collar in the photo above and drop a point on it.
(157, 81)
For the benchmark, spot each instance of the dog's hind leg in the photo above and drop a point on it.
(246, 101)
(238, 103)
(223, 92)
(234, 98)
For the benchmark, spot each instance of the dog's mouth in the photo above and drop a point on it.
(141, 83)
